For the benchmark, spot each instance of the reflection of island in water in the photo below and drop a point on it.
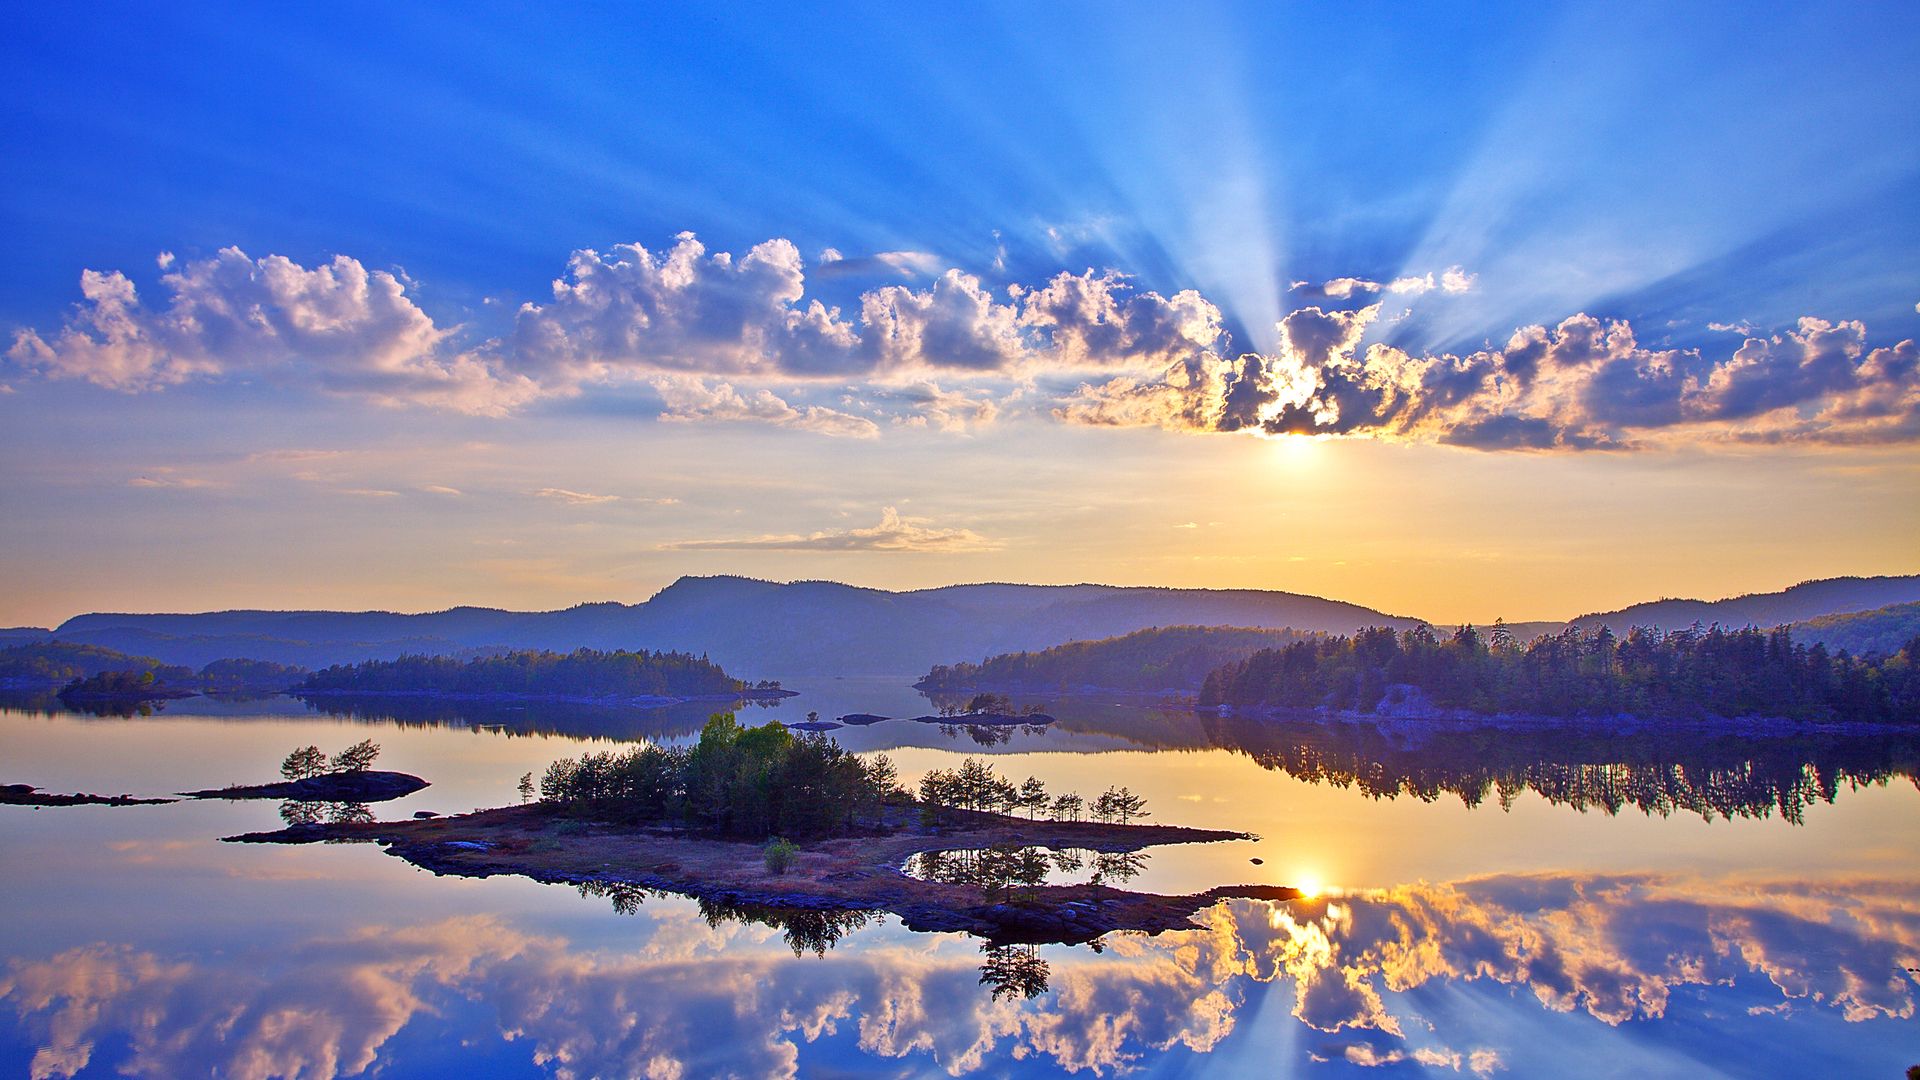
(571, 719)
(1655, 771)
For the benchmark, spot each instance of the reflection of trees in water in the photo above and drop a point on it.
(1010, 868)
(1660, 772)
(50, 703)
(626, 897)
(301, 812)
(511, 718)
(807, 930)
(1013, 971)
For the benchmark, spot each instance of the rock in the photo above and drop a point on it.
(370, 785)
(1258, 862)
(422, 815)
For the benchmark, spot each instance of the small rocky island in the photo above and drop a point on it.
(712, 821)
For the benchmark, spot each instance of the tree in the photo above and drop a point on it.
(1067, 807)
(1033, 796)
(304, 762)
(357, 758)
(526, 788)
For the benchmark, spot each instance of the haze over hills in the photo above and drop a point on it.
(1807, 600)
(762, 627)
(755, 627)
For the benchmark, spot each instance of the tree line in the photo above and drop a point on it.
(1712, 672)
(580, 673)
(1162, 658)
(977, 787)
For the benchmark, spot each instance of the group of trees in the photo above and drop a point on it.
(1685, 673)
(736, 781)
(310, 761)
(976, 786)
(764, 782)
(587, 673)
(1163, 658)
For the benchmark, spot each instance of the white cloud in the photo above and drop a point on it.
(690, 398)
(1453, 280)
(338, 326)
(893, 533)
(574, 498)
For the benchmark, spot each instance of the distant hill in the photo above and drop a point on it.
(1175, 658)
(1881, 632)
(1807, 600)
(748, 626)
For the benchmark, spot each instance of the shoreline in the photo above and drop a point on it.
(860, 872)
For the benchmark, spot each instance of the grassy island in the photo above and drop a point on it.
(712, 821)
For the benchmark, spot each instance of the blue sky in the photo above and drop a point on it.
(1703, 176)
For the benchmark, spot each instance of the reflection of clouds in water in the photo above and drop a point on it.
(694, 999)
(1614, 947)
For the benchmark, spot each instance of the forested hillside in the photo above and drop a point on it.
(56, 663)
(1864, 633)
(1164, 658)
(1737, 673)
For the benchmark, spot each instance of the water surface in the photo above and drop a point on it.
(1490, 902)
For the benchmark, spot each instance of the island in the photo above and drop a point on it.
(587, 676)
(712, 822)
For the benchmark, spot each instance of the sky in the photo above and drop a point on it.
(1519, 311)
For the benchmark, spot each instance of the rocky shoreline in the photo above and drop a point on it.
(853, 873)
(28, 795)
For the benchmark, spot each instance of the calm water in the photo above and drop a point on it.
(1492, 903)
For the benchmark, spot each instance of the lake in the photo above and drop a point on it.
(1482, 902)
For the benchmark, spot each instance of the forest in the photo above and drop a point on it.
(1689, 673)
(584, 673)
(1162, 658)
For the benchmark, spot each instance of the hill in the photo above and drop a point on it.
(1172, 658)
(1807, 600)
(1882, 632)
(739, 623)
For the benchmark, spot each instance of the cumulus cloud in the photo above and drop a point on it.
(338, 325)
(1583, 384)
(926, 404)
(893, 533)
(731, 338)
